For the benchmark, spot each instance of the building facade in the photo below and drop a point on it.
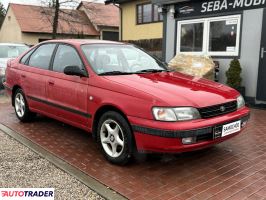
(140, 20)
(30, 24)
(105, 18)
(224, 30)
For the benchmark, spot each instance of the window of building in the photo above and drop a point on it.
(148, 13)
(217, 36)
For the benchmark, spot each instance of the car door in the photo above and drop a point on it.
(67, 94)
(34, 70)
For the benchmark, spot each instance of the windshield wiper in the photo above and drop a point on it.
(152, 71)
(114, 73)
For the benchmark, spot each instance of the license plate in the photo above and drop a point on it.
(231, 128)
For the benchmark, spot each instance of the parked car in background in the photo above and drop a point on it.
(9, 51)
(126, 98)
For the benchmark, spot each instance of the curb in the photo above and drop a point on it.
(87, 180)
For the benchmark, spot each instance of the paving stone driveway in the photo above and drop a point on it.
(235, 169)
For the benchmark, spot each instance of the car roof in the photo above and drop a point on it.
(83, 41)
(12, 44)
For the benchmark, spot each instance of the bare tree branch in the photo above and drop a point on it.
(55, 15)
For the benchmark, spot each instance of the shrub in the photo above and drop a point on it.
(233, 74)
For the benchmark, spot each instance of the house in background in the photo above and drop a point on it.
(140, 20)
(33, 24)
(141, 24)
(105, 19)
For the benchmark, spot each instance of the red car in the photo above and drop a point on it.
(126, 98)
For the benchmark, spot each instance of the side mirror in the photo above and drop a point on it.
(74, 71)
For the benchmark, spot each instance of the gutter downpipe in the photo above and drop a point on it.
(165, 10)
(121, 22)
(121, 18)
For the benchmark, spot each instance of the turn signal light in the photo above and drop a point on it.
(189, 140)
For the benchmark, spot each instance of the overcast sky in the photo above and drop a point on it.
(34, 2)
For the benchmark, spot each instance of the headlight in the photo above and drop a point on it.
(186, 113)
(2, 71)
(175, 114)
(164, 114)
(240, 102)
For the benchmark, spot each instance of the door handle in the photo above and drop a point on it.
(50, 82)
(262, 52)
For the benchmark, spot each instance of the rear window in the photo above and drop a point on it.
(11, 51)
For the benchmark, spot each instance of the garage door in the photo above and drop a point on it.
(109, 35)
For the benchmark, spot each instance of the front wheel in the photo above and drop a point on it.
(21, 107)
(115, 138)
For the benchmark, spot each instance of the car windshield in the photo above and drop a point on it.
(110, 59)
(12, 51)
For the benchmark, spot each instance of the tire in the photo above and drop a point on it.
(115, 138)
(21, 107)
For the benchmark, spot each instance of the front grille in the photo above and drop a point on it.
(218, 110)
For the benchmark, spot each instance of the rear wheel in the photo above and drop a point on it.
(115, 137)
(21, 107)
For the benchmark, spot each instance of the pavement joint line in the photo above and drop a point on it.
(87, 180)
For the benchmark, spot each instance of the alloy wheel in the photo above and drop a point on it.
(20, 105)
(112, 138)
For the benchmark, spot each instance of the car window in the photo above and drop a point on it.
(25, 57)
(66, 56)
(106, 58)
(42, 56)
(12, 51)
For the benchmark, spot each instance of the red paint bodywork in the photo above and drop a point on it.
(133, 95)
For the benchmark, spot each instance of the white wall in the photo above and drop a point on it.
(250, 51)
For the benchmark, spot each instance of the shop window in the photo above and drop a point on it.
(218, 36)
(148, 13)
(191, 37)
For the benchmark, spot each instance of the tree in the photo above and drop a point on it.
(56, 6)
(56, 17)
(60, 14)
(2, 14)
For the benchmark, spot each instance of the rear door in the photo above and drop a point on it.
(66, 94)
(34, 68)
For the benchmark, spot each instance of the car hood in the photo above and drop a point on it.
(176, 89)
(3, 62)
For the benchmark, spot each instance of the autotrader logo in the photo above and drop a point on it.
(27, 193)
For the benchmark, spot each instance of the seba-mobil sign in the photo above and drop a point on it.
(225, 5)
(210, 7)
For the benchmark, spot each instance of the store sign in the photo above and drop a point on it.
(197, 8)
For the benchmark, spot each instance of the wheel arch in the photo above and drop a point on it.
(100, 111)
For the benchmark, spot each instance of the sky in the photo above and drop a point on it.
(34, 2)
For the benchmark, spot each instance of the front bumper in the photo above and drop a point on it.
(155, 136)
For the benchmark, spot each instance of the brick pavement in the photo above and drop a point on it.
(235, 169)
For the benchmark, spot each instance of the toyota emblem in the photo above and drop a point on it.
(222, 108)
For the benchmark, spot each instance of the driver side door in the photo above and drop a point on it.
(67, 94)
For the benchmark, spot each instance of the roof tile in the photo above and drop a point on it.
(101, 14)
(37, 19)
